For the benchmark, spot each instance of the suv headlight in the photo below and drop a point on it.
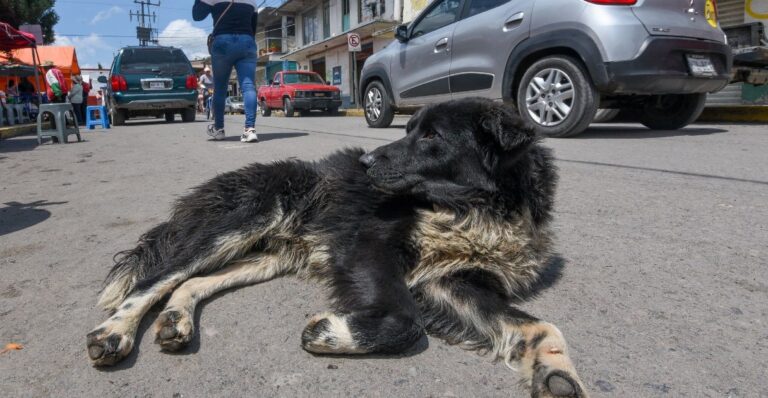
(336, 95)
(300, 94)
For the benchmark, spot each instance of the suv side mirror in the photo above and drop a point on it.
(102, 79)
(401, 33)
(269, 82)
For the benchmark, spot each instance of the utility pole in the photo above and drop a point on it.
(145, 32)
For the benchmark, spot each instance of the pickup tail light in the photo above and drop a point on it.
(191, 83)
(119, 83)
(614, 2)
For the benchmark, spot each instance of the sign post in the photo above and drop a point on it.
(353, 44)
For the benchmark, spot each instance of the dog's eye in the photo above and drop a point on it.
(430, 134)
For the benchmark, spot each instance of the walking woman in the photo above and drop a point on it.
(234, 45)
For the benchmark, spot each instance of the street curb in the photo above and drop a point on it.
(15, 131)
(742, 114)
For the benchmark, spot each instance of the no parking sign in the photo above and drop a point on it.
(353, 42)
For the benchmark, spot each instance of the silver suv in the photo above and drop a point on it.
(558, 61)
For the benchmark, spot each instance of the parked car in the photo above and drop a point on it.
(298, 90)
(151, 81)
(234, 105)
(556, 60)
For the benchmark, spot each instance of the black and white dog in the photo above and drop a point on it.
(438, 232)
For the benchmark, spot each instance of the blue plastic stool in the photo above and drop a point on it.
(102, 120)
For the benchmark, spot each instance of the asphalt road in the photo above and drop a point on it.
(663, 238)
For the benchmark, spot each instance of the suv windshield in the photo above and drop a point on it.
(294, 78)
(163, 61)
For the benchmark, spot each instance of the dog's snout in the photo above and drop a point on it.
(368, 159)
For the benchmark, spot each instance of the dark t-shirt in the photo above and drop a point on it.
(239, 19)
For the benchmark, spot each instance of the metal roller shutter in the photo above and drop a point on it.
(729, 13)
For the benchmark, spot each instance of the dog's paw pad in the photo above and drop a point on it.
(105, 348)
(174, 330)
(557, 384)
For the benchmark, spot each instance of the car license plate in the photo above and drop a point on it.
(319, 94)
(701, 65)
(156, 85)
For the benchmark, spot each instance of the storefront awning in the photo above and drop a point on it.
(294, 6)
(378, 28)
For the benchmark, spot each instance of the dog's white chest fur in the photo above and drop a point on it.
(513, 250)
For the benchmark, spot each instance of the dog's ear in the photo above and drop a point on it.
(502, 123)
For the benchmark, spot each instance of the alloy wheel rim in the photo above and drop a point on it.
(373, 104)
(549, 97)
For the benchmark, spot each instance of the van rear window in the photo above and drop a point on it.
(155, 61)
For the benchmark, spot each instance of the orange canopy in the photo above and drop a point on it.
(63, 57)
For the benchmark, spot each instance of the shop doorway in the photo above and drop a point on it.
(318, 66)
(366, 50)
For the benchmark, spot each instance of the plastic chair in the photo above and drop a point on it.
(62, 130)
(102, 120)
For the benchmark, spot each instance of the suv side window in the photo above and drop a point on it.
(478, 6)
(442, 14)
(278, 79)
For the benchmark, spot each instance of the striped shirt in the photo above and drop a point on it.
(239, 19)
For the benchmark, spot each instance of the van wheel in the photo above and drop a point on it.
(169, 117)
(119, 116)
(188, 115)
(673, 111)
(265, 111)
(377, 106)
(287, 107)
(557, 97)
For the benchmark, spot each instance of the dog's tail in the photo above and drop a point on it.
(131, 266)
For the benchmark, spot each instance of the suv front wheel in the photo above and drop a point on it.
(557, 97)
(672, 111)
(377, 107)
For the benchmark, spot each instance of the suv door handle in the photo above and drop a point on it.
(513, 21)
(442, 45)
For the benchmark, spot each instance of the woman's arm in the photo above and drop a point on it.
(200, 10)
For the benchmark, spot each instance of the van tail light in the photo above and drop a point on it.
(614, 2)
(191, 82)
(119, 83)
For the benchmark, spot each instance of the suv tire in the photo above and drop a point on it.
(377, 106)
(288, 107)
(188, 115)
(672, 111)
(265, 111)
(119, 116)
(170, 117)
(563, 99)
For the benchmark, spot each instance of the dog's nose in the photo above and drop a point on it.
(367, 159)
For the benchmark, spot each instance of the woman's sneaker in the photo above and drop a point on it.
(216, 134)
(249, 135)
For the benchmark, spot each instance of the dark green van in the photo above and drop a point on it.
(151, 81)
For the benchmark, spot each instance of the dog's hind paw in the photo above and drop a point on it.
(106, 348)
(173, 330)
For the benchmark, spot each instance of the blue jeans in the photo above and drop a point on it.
(238, 51)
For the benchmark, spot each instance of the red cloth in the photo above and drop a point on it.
(11, 38)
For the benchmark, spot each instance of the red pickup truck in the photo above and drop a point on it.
(298, 90)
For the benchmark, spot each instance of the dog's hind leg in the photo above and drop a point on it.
(175, 327)
(111, 341)
(468, 309)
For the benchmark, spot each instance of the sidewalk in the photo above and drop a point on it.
(16, 130)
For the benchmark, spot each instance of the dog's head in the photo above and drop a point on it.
(455, 146)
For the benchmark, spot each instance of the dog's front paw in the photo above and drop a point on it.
(329, 334)
(106, 347)
(173, 330)
(555, 383)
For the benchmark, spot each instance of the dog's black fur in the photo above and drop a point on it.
(437, 232)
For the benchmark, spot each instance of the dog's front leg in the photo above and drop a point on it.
(373, 308)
